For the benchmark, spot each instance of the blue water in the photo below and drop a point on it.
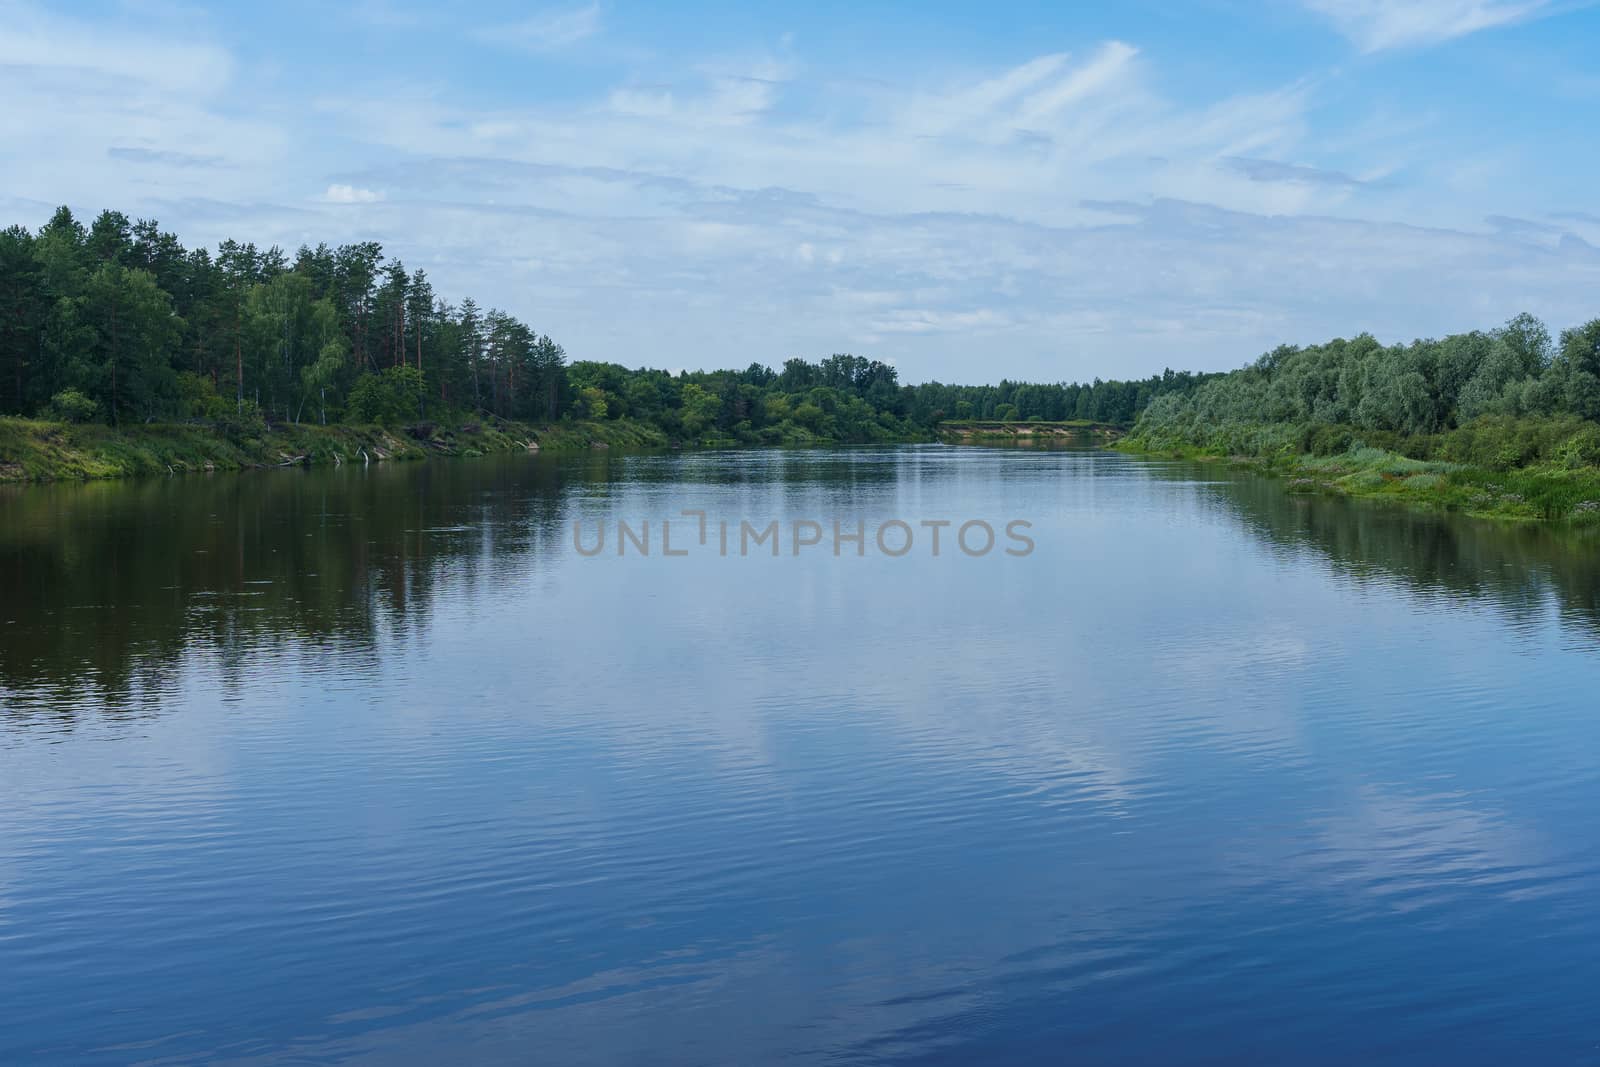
(371, 766)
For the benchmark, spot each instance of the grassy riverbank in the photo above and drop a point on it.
(961, 431)
(38, 451)
(1543, 492)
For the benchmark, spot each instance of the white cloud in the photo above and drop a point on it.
(350, 194)
(35, 43)
(545, 31)
(1376, 25)
(97, 113)
(1030, 142)
(1062, 217)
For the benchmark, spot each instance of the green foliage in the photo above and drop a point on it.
(241, 421)
(386, 399)
(1415, 391)
(1377, 418)
(1580, 450)
(592, 403)
(69, 405)
(150, 331)
(1499, 423)
(700, 410)
(198, 399)
(123, 314)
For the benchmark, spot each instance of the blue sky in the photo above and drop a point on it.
(971, 191)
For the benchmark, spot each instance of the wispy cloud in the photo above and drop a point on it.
(1268, 170)
(1378, 25)
(99, 111)
(1079, 213)
(544, 31)
(162, 157)
(350, 194)
(34, 39)
(1063, 211)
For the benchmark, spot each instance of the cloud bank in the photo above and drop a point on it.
(1062, 216)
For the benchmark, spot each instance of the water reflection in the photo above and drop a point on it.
(108, 584)
(1216, 768)
(1522, 569)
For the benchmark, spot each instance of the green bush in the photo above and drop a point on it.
(387, 399)
(1365, 480)
(240, 421)
(69, 405)
(1325, 439)
(198, 399)
(1582, 449)
(1503, 443)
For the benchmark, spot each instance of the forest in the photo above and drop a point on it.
(1499, 423)
(117, 322)
(1498, 399)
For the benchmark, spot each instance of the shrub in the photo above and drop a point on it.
(240, 421)
(197, 398)
(69, 405)
(386, 399)
(1582, 449)
(1325, 439)
(1503, 443)
(1365, 480)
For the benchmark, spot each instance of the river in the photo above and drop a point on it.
(382, 765)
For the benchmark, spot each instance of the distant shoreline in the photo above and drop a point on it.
(1546, 497)
(40, 452)
(34, 451)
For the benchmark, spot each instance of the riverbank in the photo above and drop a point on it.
(1545, 493)
(33, 450)
(38, 451)
(979, 430)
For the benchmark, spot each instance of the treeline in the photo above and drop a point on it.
(1500, 398)
(842, 398)
(118, 322)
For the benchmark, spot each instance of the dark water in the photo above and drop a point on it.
(372, 766)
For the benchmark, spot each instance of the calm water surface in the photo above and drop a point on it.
(372, 766)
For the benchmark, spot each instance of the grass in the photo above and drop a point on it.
(37, 451)
(1545, 492)
(1010, 429)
